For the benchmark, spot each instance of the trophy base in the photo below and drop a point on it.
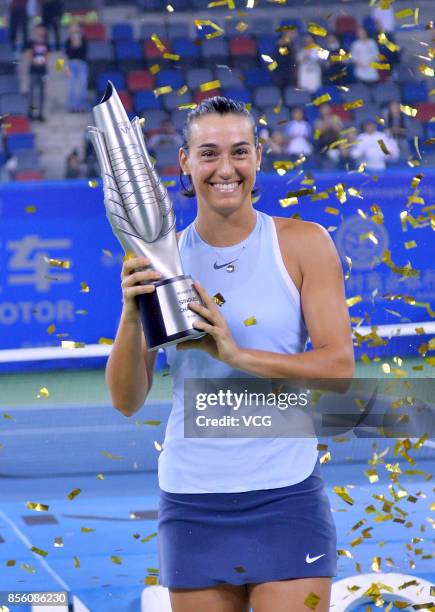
(165, 315)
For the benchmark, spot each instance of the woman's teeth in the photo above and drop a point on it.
(225, 186)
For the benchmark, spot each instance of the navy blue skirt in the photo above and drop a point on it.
(208, 539)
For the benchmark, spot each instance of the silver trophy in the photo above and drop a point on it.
(142, 218)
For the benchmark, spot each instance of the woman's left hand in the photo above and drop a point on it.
(219, 343)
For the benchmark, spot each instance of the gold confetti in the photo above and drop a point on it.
(160, 91)
(380, 66)
(272, 66)
(240, 569)
(242, 26)
(285, 202)
(344, 553)
(171, 56)
(325, 458)
(383, 147)
(155, 68)
(188, 106)
(250, 321)
(321, 99)
(311, 601)
(70, 344)
(353, 300)
(76, 562)
(36, 506)
(115, 559)
(372, 475)
(158, 446)
(170, 8)
(74, 493)
(314, 28)
(408, 110)
(332, 211)
(343, 493)
(383, 40)
(218, 299)
(218, 31)
(84, 287)
(93, 183)
(99, 476)
(169, 183)
(353, 104)
(110, 456)
(376, 565)
(341, 57)
(58, 542)
(6, 415)
(153, 580)
(30, 209)
(150, 537)
(408, 12)
(60, 64)
(107, 341)
(156, 40)
(10, 563)
(411, 244)
(43, 392)
(426, 70)
(51, 329)
(228, 3)
(182, 90)
(210, 85)
(39, 551)
(28, 568)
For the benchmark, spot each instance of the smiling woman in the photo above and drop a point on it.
(242, 521)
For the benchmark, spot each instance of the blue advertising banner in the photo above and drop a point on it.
(382, 227)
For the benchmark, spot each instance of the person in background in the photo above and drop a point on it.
(73, 169)
(327, 128)
(51, 13)
(364, 52)
(309, 71)
(286, 58)
(384, 19)
(369, 147)
(298, 132)
(76, 52)
(397, 125)
(37, 55)
(167, 134)
(18, 21)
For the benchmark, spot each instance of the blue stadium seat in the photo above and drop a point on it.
(293, 97)
(358, 91)
(297, 23)
(177, 119)
(347, 38)
(267, 96)
(430, 130)
(166, 155)
(13, 104)
(383, 93)
(9, 84)
(414, 91)
(196, 76)
(275, 121)
(257, 77)
(365, 113)
(215, 49)
(146, 100)
(154, 119)
(4, 35)
(229, 78)
(128, 50)
(261, 26)
(172, 101)
(239, 93)
(117, 79)
(185, 48)
(267, 45)
(175, 78)
(147, 29)
(179, 29)
(100, 50)
(122, 31)
(27, 159)
(20, 141)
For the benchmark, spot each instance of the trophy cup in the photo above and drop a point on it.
(142, 218)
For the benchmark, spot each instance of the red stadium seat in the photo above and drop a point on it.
(243, 45)
(151, 51)
(95, 31)
(140, 79)
(29, 175)
(126, 100)
(202, 95)
(425, 111)
(338, 110)
(16, 124)
(345, 24)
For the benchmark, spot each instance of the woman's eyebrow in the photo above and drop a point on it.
(215, 146)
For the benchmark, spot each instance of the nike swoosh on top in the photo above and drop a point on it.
(309, 559)
(217, 267)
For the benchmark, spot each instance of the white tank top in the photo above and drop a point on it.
(260, 286)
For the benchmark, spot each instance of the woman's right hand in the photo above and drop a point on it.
(136, 279)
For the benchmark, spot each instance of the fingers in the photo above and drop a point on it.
(137, 277)
(132, 264)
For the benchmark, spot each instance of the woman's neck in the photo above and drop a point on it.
(221, 231)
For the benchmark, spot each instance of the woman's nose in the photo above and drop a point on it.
(225, 168)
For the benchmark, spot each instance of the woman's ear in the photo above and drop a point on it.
(184, 161)
(259, 152)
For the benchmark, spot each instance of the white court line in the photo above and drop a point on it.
(41, 560)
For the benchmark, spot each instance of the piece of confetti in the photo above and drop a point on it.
(219, 299)
(58, 542)
(321, 99)
(343, 493)
(210, 85)
(84, 287)
(353, 104)
(93, 183)
(110, 456)
(76, 562)
(318, 30)
(37, 506)
(160, 91)
(30, 209)
(39, 551)
(43, 392)
(312, 601)
(107, 341)
(74, 493)
(70, 344)
(156, 40)
(60, 64)
(250, 321)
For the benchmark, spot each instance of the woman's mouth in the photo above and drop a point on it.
(226, 187)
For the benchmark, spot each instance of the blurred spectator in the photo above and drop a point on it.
(167, 134)
(73, 169)
(18, 21)
(364, 52)
(309, 71)
(368, 147)
(274, 143)
(37, 55)
(331, 69)
(76, 52)
(384, 19)
(51, 13)
(287, 61)
(328, 126)
(396, 125)
(298, 132)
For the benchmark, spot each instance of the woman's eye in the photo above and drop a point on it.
(241, 152)
(207, 154)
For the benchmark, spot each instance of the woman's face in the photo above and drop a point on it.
(222, 161)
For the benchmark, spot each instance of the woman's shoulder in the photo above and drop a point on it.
(299, 233)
